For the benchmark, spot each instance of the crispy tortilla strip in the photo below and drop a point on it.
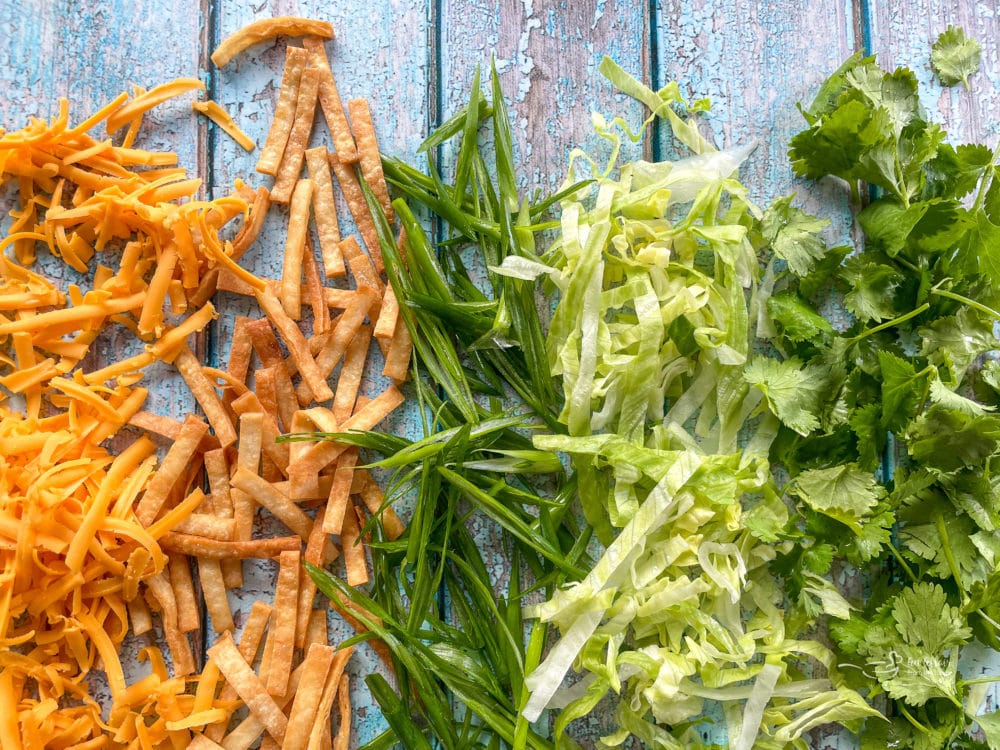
(297, 346)
(361, 267)
(319, 551)
(325, 211)
(169, 428)
(249, 687)
(343, 334)
(208, 525)
(303, 714)
(284, 111)
(146, 101)
(321, 727)
(198, 546)
(355, 559)
(351, 189)
(368, 153)
(268, 28)
(280, 506)
(373, 499)
(213, 588)
(339, 500)
(398, 358)
(295, 247)
(204, 393)
(188, 614)
(323, 453)
(172, 468)
(351, 373)
(214, 112)
(286, 596)
(343, 739)
(201, 742)
(314, 290)
(180, 648)
(329, 99)
(248, 403)
(385, 327)
(291, 160)
(250, 230)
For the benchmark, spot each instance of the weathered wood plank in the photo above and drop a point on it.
(755, 60)
(547, 54)
(902, 34)
(380, 51)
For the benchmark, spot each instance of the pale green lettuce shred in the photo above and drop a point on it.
(657, 274)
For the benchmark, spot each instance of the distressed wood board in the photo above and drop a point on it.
(415, 58)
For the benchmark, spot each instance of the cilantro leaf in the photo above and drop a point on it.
(866, 422)
(791, 391)
(924, 618)
(873, 288)
(955, 57)
(796, 320)
(794, 235)
(955, 171)
(900, 391)
(947, 440)
(845, 493)
(954, 341)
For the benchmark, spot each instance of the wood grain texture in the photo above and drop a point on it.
(547, 53)
(902, 33)
(755, 59)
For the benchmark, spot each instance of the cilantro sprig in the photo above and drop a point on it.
(904, 379)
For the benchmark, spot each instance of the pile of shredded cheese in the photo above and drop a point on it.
(72, 551)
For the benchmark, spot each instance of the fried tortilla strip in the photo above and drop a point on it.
(174, 464)
(295, 247)
(298, 347)
(325, 211)
(268, 28)
(303, 715)
(248, 686)
(329, 100)
(284, 111)
(198, 546)
(368, 153)
(298, 138)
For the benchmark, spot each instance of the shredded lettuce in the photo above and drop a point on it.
(658, 286)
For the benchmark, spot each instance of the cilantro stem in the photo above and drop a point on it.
(966, 301)
(899, 558)
(949, 556)
(978, 681)
(890, 323)
(909, 717)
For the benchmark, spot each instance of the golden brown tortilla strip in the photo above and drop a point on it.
(174, 464)
(325, 211)
(368, 153)
(248, 686)
(291, 161)
(351, 189)
(295, 247)
(284, 111)
(329, 100)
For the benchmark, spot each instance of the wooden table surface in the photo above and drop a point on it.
(415, 59)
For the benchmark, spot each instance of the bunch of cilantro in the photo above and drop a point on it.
(889, 426)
